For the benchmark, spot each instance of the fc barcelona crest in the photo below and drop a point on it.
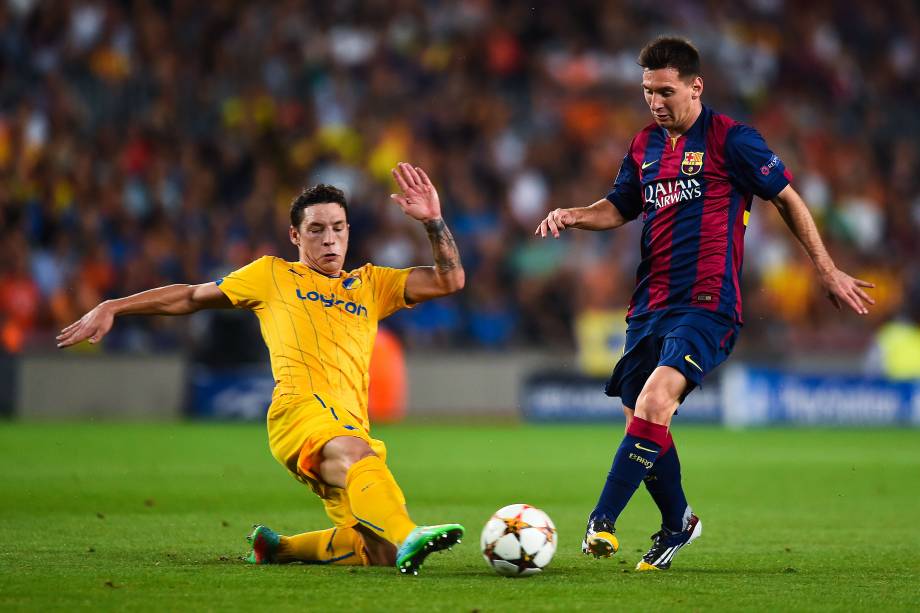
(693, 161)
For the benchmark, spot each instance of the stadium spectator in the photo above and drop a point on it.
(137, 137)
(19, 296)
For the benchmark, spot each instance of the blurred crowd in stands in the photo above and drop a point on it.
(144, 143)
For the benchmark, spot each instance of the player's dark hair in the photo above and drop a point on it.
(671, 52)
(318, 194)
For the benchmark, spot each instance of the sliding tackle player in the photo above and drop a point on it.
(319, 323)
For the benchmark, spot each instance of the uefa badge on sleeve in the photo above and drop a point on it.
(693, 161)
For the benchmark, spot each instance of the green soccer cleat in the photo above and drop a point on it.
(265, 543)
(424, 540)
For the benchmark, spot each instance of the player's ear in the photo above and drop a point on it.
(697, 87)
(294, 235)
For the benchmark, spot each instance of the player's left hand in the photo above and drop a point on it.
(419, 199)
(842, 289)
(92, 326)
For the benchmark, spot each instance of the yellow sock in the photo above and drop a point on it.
(376, 500)
(341, 546)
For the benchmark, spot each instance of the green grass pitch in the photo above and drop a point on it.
(153, 517)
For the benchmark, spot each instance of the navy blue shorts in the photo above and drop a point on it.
(692, 342)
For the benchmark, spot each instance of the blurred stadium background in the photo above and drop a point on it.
(145, 143)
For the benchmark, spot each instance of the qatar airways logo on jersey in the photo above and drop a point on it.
(330, 301)
(666, 193)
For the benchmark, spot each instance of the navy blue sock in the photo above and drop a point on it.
(631, 464)
(663, 483)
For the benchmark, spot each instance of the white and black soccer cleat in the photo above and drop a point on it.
(666, 544)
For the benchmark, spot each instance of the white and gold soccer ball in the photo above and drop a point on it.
(518, 540)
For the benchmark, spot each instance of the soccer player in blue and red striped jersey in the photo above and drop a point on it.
(691, 175)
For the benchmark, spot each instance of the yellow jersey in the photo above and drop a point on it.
(319, 330)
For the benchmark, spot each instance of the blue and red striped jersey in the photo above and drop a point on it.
(694, 196)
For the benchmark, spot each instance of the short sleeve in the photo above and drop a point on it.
(759, 170)
(626, 193)
(247, 287)
(389, 285)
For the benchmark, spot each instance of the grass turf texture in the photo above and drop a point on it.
(154, 517)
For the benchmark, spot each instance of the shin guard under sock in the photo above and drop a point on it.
(636, 455)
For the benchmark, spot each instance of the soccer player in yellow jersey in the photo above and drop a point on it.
(319, 323)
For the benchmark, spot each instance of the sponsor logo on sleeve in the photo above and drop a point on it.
(769, 166)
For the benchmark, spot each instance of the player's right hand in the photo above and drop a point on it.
(556, 221)
(93, 326)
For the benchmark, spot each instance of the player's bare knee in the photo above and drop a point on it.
(656, 406)
(347, 449)
(358, 452)
(338, 456)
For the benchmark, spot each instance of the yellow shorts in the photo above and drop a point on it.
(297, 431)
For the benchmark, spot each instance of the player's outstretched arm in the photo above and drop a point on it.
(419, 200)
(601, 215)
(167, 300)
(840, 287)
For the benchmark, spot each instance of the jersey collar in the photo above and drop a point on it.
(301, 266)
(696, 127)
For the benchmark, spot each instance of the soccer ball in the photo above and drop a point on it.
(518, 540)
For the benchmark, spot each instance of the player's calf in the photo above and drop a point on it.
(379, 552)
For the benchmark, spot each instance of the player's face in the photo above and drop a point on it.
(322, 238)
(674, 102)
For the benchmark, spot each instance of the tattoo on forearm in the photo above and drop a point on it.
(446, 255)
